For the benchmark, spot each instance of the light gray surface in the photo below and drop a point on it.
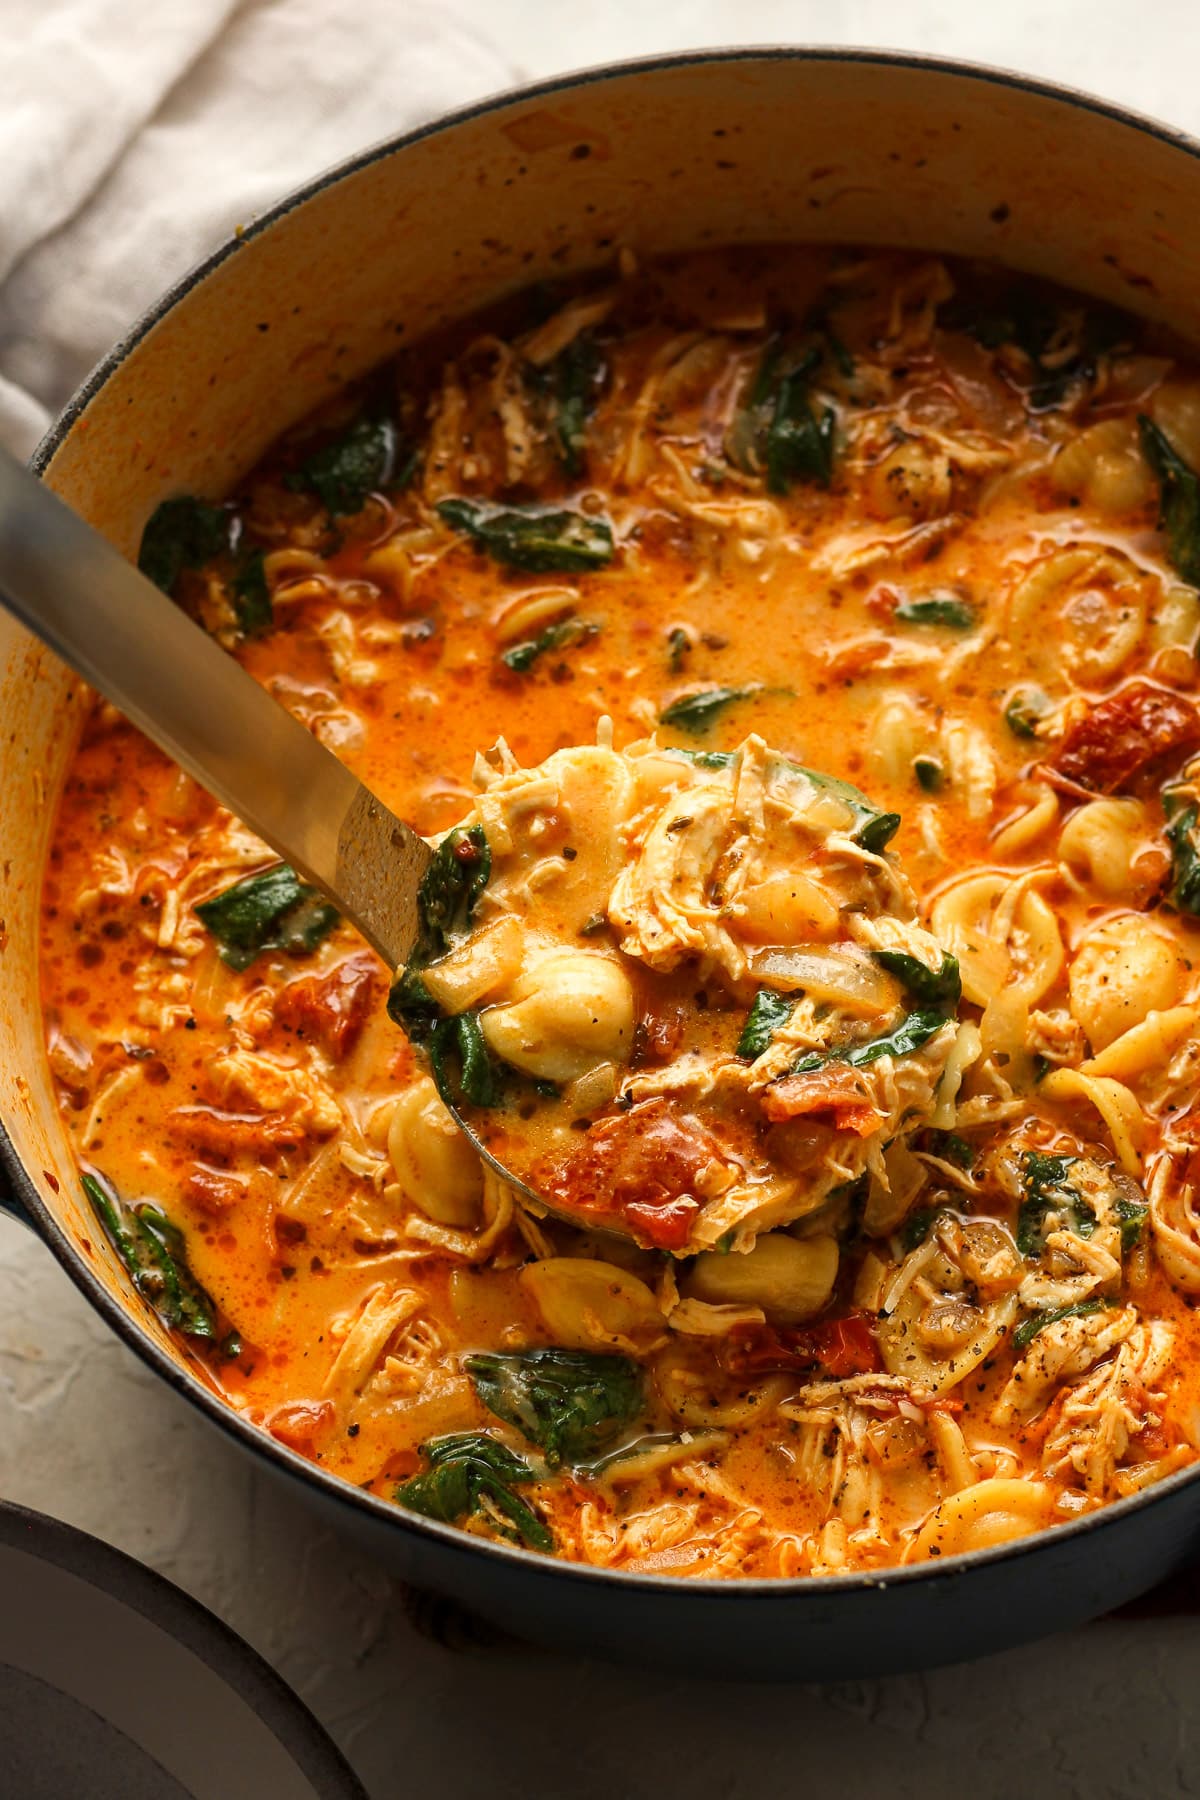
(87, 1435)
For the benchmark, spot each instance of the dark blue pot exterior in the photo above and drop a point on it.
(815, 1630)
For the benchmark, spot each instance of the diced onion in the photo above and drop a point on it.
(848, 981)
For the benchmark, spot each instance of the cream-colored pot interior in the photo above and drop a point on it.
(665, 157)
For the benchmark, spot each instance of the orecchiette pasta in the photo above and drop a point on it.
(1125, 968)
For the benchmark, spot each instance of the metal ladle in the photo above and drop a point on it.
(68, 586)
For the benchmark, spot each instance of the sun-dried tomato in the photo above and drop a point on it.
(330, 1009)
(1106, 748)
(643, 1169)
(841, 1346)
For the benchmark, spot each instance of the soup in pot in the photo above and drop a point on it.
(793, 655)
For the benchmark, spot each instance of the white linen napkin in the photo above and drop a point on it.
(134, 138)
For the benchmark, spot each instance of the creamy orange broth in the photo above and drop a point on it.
(962, 471)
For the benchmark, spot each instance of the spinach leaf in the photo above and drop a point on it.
(1025, 707)
(1028, 1329)
(922, 985)
(343, 473)
(446, 901)
(679, 647)
(153, 1251)
(555, 637)
(878, 831)
(462, 1036)
(1032, 322)
(937, 609)
(1179, 499)
(952, 1148)
(452, 884)
(799, 445)
(271, 911)
(252, 597)
(769, 1011)
(873, 830)
(1132, 1215)
(843, 361)
(910, 1034)
(697, 713)
(929, 773)
(1183, 835)
(572, 384)
(467, 1468)
(777, 431)
(183, 533)
(532, 538)
(918, 1225)
(1047, 1189)
(570, 1403)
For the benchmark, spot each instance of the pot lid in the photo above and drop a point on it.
(116, 1684)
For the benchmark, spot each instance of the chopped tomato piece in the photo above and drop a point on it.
(846, 1346)
(299, 1423)
(1120, 735)
(665, 1227)
(213, 1191)
(330, 1009)
(836, 1090)
(659, 1035)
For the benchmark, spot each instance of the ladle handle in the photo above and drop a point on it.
(69, 586)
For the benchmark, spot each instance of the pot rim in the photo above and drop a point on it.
(699, 1593)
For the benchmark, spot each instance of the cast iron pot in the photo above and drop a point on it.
(740, 146)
